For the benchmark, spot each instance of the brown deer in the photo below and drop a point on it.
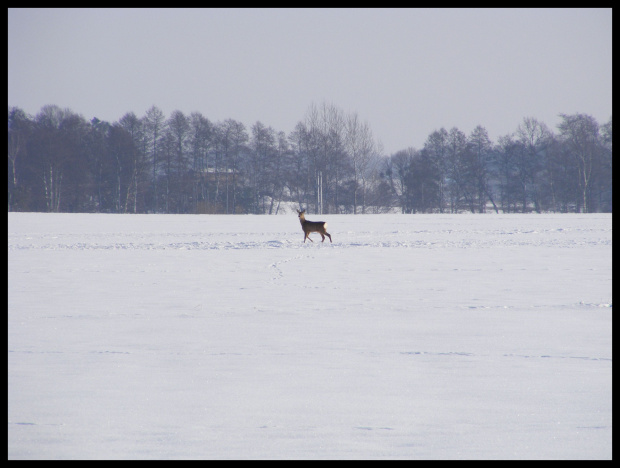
(313, 226)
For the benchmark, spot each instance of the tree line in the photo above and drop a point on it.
(532, 169)
(330, 163)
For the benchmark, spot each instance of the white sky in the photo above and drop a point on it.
(407, 72)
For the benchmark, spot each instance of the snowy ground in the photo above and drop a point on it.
(411, 336)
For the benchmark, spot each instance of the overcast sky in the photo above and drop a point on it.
(407, 72)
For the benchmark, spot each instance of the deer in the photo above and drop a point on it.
(313, 226)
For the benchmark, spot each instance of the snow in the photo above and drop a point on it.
(226, 337)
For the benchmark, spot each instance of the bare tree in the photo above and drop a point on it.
(281, 163)
(17, 139)
(580, 134)
(178, 188)
(605, 192)
(232, 142)
(436, 146)
(201, 143)
(533, 136)
(457, 170)
(49, 121)
(325, 124)
(360, 147)
(481, 147)
(261, 164)
(134, 127)
(154, 126)
(398, 173)
(298, 176)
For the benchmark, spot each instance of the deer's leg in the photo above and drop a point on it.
(330, 237)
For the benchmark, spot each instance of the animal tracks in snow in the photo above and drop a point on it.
(506, 355)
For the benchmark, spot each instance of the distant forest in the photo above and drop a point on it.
(330, 163)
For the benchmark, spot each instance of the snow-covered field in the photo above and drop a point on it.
(411, 336)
